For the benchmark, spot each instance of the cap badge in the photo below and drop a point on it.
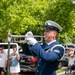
(49, 24)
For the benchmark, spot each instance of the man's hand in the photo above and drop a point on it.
(31, 41)
(29, 38)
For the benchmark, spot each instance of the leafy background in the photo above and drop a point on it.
(20, 16)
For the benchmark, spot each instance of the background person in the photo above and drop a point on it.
(15, 66)
(3, 61)
(71, 61)
(70, 52)
(50, 52)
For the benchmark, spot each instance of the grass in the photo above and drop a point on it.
(60, 70)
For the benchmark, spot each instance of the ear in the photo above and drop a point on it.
(54, 33)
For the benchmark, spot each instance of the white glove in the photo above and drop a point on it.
(29, 34)
(29, 38)
(31, 41)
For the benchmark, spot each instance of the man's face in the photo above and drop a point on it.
(49, 35)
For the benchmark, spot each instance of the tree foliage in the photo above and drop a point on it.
(20, 16)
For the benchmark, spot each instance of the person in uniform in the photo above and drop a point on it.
(50, 52)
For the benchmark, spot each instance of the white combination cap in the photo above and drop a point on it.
(51, 25)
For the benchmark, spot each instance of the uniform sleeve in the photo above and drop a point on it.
(52, 55)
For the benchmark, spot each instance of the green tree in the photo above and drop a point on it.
(20, 16)
(62, 12)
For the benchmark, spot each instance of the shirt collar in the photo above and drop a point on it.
(51, 42)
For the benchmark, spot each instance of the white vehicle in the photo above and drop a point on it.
(64, 60)
(5, 46)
